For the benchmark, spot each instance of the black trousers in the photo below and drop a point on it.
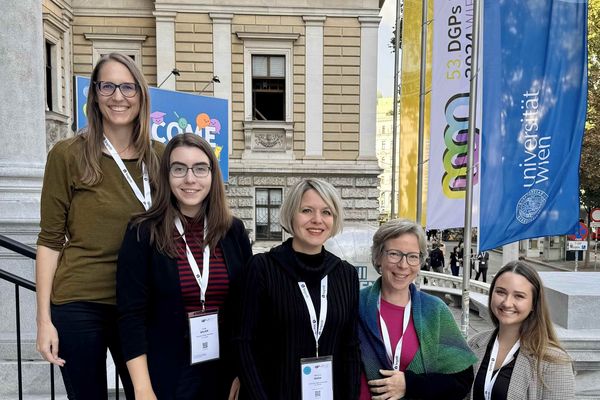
(85, 331)
(482, 271)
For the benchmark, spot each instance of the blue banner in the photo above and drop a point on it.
(534, 107)
(172, 113)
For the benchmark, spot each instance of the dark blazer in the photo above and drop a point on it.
(558, 379)
(152, 318)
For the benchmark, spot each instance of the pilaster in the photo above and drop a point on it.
(368, 85)
(314, 85)
(222, 62)
(165, 47)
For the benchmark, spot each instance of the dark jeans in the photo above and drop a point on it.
(85, 331)
(455, 269)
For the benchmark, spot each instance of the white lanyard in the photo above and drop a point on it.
(316, 328)
(490, 377)
(146, 198)
(201, 278)
(394, 358)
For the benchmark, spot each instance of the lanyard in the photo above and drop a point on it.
(394, 358)
(146, 198)
(201, 278)
(490, 377)
(316, 328)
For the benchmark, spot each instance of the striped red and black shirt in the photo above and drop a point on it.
(218, 278)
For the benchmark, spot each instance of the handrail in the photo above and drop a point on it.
(17, 247)
(18, 281)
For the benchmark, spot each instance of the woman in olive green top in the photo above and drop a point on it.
(93, 184)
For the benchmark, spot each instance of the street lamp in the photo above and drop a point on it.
(215, 79)
(174, 71)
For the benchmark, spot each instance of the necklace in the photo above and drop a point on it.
(124, 150)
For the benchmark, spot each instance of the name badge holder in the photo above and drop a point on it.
(490, 376)
(394, 357)
(146, 198)
(203, 325)
(316, 372)
(204, 336)
(317, 378)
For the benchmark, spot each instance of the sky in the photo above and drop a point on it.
(385, 61)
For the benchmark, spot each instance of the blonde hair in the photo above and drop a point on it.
(291, 204)
(92, 135)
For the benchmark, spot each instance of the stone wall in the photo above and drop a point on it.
(359, 194)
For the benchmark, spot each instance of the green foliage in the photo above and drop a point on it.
(392, 44)
(590, 152)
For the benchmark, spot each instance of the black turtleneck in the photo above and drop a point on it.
(276, 330)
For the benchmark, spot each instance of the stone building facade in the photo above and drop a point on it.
(311, 113)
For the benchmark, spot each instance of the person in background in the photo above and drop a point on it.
(94, 182)
(180, 262)
(521, 358)
(455, 259)
(483, 258)
(301, 302)
(436, 259)
(411, 347)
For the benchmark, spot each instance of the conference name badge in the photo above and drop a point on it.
(317, 378)
(204, 336)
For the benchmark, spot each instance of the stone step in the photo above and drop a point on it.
(46, 396)
(35, 378)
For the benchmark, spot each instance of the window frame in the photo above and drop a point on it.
(271, 235)
(267, 78)
(268, 44)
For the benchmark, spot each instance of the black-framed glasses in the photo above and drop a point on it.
(127, 89)
(179, 170)
(395, 256)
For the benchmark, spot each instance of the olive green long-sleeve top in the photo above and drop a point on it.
(85, 223)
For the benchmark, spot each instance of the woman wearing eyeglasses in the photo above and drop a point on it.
(93, 183)
(178, 281)
(410, 344)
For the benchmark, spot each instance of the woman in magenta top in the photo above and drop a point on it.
(410, 344)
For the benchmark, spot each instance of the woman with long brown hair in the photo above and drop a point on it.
(521, 358)
(94, 182)
(178, 281)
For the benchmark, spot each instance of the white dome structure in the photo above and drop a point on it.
(353, 244)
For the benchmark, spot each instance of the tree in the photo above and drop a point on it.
(590, 152)
(589, 174)
(392, 43)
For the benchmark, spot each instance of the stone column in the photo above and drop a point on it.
(314, 85)
(222, 62)
(22, 109)
(165, 48)
(22, 160)
(368, 85)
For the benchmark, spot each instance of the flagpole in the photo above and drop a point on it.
(395, 118)
(470, 157)
(422, 94)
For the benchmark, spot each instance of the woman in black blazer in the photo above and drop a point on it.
(164, 289)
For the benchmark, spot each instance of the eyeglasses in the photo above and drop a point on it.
(395, 256)
(179, 170)
(108, 88)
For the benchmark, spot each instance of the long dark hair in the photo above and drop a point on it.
(537, 333)
(160, 217)
(92, 135)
